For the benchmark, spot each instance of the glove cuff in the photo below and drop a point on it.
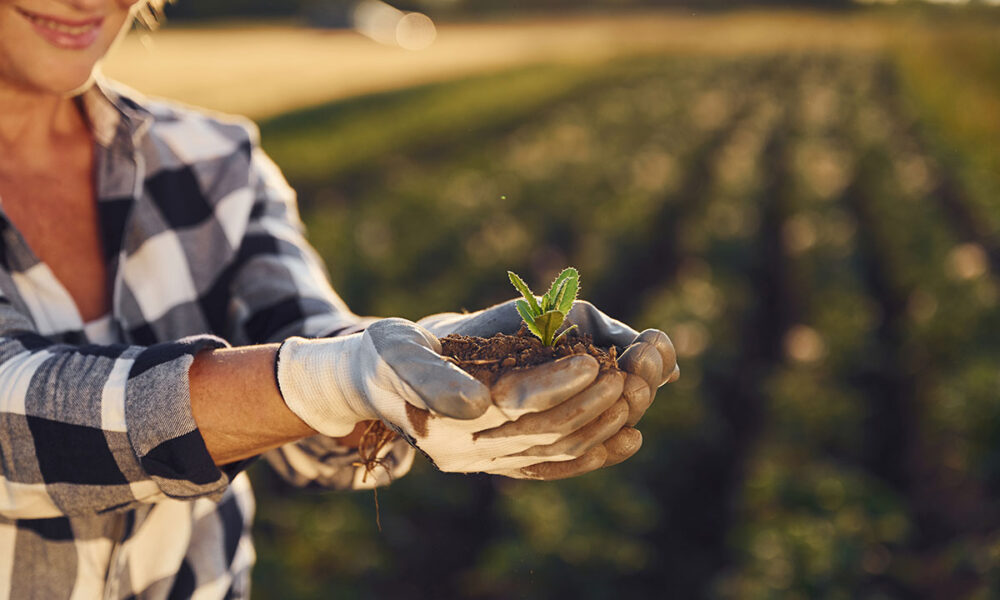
(316, 383)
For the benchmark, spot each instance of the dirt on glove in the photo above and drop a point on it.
(487, 359)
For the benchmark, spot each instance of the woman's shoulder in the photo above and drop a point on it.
(182, 127)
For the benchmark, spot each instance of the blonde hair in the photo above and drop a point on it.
(149, 13)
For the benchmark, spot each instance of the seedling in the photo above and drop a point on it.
(544, 316)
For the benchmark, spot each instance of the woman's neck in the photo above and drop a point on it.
(34, 124)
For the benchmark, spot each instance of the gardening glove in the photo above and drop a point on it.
(570, 420)
(393, 371)
(648, 359)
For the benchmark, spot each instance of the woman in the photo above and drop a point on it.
(163, 321)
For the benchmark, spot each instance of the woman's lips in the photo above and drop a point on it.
(65, 33)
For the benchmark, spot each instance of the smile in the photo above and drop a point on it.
(65, 33)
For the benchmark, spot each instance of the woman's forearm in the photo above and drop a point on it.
(237, 406)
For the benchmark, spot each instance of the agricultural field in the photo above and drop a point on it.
(817, 228)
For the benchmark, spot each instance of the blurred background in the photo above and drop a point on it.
(805, 196)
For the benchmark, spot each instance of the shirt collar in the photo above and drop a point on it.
(118, 121)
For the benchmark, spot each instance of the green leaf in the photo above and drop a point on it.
(564, 332)
(522, 287)
(545, 319)
(549, 300)
(529, 319)
(524, 310)
(565, 299)
(548, 324)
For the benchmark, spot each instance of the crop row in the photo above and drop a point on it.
(780, 217)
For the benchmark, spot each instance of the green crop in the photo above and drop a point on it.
(544, 316)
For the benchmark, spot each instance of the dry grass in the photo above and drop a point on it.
(262, 71)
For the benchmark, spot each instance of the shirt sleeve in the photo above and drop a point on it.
(280, 286)
(320, 462)
(281, 289)
(92, 429)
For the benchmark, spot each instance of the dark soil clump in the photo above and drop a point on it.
(487, 359)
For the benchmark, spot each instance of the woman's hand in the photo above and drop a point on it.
(557, 411)
(393, 371)
(648, 359)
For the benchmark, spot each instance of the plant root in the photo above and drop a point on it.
(375, 437)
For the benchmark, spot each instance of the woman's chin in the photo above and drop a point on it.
(65, 83)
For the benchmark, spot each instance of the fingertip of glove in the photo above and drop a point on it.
(644, 360)
(668, 354)
(654, 336)
(674, 375)
(622, 445)
(589, 461)
(429, 339)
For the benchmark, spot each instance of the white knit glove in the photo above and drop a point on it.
(552, 412)
(393, 371)
(648, 359)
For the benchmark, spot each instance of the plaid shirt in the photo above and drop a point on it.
(107, 490)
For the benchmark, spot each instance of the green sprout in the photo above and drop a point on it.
(544, 316)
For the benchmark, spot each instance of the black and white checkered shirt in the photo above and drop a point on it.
(107, 490)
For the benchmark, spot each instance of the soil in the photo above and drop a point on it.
(487, 359)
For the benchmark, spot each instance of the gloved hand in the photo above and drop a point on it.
(648, 359)
(393, 371)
